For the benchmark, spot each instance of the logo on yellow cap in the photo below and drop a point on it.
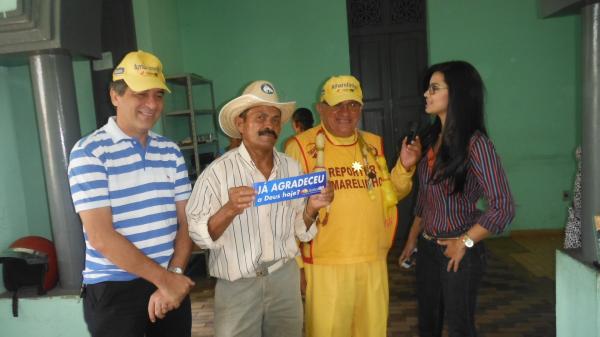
(341, 88)
(141, 71)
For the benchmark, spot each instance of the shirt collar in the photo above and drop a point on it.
(339, 140)
(243, 152)
(117, 135)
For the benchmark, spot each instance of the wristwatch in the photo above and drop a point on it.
(175, 270)
(467, 241)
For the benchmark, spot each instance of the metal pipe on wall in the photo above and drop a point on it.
(590, 20)
(58, 125)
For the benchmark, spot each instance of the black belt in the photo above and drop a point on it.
(434, 239)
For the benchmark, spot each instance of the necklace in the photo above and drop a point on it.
(320, 144)
(364, 150)
(320, 162)
(356, 165)
(390, 197)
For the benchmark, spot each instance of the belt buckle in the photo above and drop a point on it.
(262, 271)
(428, 237)
(267, 268)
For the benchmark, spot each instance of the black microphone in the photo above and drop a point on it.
(413, 128)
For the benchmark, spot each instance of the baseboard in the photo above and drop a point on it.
(537, 232)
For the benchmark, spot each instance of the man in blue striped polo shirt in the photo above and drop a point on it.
(130, 188)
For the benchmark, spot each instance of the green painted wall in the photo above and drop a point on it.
(37, 217)
(60, 316)
(577, 298)
(13, 215)
(294, 44)
(85, 96)
(157, 27)
(531, 69)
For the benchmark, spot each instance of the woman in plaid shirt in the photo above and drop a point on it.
(460, 167)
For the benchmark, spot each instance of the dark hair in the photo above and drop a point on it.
(119, 86)
(304, 117)
(464, 117)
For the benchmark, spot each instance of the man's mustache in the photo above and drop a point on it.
(268, 132)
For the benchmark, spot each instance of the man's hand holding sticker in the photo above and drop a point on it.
(318, 201)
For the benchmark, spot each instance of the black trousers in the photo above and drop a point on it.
(121, 309)
(450, 295)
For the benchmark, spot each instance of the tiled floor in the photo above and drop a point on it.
(203, 308)
(513, 301)
(516, 299)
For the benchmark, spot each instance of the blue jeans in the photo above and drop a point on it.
(450, 295)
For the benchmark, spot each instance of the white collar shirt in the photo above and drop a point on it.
(260, 234)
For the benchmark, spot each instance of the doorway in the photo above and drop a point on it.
(118, 38)
(388, 54)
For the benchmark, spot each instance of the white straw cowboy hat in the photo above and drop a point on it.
(258, 93)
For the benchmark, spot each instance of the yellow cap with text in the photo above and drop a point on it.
(141, 71)
(341, 88)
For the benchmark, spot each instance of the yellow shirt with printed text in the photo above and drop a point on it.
(357, 229)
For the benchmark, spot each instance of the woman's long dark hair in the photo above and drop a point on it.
(463, 118)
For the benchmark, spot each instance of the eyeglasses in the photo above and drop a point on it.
(434, 88)
(351, 106)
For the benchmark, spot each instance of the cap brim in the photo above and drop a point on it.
(238, 105)
(147, 83)
(342, 97)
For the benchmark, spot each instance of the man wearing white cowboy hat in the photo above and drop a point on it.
(130, 187)
(253, 248)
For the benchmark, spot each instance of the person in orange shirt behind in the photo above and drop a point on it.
(302, 120)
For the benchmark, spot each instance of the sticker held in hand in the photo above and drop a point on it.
(289, 188)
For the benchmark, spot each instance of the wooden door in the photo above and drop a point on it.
(388, 54)
(118, 38)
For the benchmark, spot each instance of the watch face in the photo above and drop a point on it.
(175, 270)
(467, 241)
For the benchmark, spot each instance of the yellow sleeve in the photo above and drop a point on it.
(287, 143)
(402, 179)
(293, 150)
(299, 261)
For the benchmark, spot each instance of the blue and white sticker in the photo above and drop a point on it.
(289, 188)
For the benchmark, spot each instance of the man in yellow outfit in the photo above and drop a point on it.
(347, 290)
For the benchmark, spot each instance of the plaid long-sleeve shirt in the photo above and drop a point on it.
(449, 215)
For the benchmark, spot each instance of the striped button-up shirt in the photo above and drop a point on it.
(140, 185)
(260, 234)
(448, 215)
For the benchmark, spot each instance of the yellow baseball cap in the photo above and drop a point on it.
(341, 88)
(141, 71)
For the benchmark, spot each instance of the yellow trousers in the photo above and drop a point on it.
(347, 300)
